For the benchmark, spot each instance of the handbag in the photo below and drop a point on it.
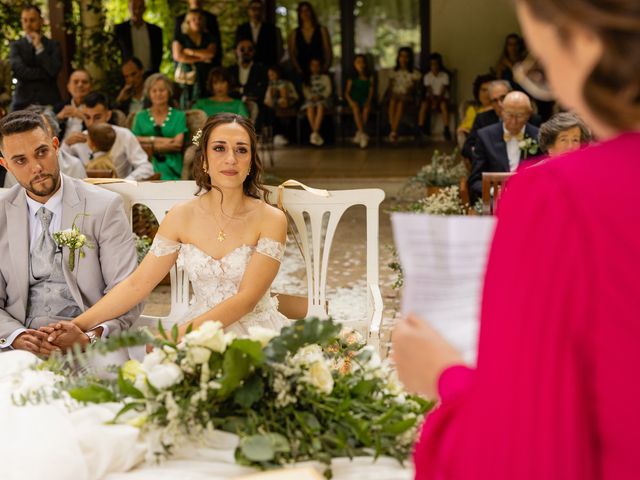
(184, 74)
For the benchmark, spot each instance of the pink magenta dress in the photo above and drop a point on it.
(556, 393)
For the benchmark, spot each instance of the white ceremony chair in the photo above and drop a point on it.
(310, 210)
(159, 197)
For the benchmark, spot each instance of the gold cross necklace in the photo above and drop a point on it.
(221, 233)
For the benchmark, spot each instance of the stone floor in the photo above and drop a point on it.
(341, 168)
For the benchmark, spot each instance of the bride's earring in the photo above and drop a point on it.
(204, 167)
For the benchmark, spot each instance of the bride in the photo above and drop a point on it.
(229, 241)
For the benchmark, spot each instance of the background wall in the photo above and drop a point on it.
(470, 36)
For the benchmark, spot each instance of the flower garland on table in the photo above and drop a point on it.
(443, 170)
(312, 392)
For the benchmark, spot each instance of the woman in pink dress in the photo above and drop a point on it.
(555, 393)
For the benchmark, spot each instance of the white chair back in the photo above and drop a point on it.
(310, 212)
(159, 197)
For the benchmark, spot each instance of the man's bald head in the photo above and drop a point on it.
(516, 111)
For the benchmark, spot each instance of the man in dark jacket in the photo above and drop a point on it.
(36, 62)
(140, 39)
(264, 35)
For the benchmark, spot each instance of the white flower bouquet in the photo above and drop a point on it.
(74, 240)
(311, 392)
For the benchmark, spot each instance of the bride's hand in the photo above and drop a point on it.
(65, 334)
(420, 355)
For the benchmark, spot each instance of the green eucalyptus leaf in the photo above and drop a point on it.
(250, 392)
(93, 393)
(399, 427)
(302, 332)
(252, 348)
(258, 448)
(127, 388)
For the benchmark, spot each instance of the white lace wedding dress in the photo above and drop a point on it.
(215, 280)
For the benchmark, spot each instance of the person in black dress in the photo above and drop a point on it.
(309, 40)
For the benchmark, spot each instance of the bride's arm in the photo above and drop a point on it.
(137, 286)
(256, 280)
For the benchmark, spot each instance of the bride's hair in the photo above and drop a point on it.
(252, 185)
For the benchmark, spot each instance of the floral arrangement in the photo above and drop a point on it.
(529, 146)
(73, 239)
(312, 392)
(444, 202)
(443, 170)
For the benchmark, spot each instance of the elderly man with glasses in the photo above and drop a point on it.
(499, 146)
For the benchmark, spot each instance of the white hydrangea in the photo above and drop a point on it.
(164, 375)
(209, 335)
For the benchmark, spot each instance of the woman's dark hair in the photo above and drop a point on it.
(479, 81)
(438, 58)
(218, 74)
(252, 185)
(522, 50)
(278, 69)
(307, 75)
(559, 123)
(409, 51)
(367, 70)
(314, 18)
(612, 90)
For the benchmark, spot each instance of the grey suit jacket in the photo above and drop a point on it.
(111, 260)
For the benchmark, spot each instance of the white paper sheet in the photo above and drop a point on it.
(443, 260)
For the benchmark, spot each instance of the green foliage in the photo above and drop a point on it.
(301, 333)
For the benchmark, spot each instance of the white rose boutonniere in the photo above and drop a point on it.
(74, 240)
(529, 146)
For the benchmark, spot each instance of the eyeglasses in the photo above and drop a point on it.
(531, 76)
(498, 99)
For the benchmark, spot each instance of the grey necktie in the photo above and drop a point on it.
(42, 255)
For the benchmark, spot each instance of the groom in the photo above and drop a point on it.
(38, 283)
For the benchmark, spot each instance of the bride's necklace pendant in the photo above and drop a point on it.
(221, 236)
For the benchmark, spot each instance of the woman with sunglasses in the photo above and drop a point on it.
(554, 394)
(161, 128)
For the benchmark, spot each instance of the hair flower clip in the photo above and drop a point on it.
(196, 138)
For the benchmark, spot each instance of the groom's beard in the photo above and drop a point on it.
(44, 184)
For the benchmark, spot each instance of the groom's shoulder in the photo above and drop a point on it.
(93, 194)
(9, 194)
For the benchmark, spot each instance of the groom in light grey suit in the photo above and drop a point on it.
(38, 287)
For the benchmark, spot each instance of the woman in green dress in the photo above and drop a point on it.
(221, 102)
(161, 128)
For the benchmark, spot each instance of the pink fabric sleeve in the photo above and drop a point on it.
(525, 412)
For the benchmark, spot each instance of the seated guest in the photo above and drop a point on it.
(210, 24)
(70, 165)
(281, 96)
(562, 133)
(481, 103)
(359, 91)
(161, 127)
(401, 90)
(131, 96)
(436, 95)
(249, 78)
(68, 113)
(498, 148)
(193, 50)
(220, 101)
(36, 62)
(265, 36)
(498, 89)
(100, 138)
(317, 94)
(130, 160)
(41, 284)
(137, 38)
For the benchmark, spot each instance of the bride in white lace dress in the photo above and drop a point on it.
(228, 240)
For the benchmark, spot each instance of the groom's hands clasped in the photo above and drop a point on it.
(36, 342)
(64, 334)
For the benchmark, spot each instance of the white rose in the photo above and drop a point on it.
(261, 334)
(308, 355)
(210, 335)
(164, 376)
(320, 377)
(156, 357)
(198, 355)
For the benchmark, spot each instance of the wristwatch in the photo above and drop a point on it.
(93, 336)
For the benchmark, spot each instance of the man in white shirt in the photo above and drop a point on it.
(42, 282)
(130, 160)
(68, 113)
(498, 148)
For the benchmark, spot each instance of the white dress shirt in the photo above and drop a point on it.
(73, 124)
(513, 151)
(130, 160)
(255, 31)
(141, 44)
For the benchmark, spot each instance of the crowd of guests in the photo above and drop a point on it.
(148, 113)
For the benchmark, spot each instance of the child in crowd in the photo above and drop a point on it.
(402, 87)
(281, 96)
(220, 83)
(359, 93)
(100, 140)
(317, 93)
(436, 83)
